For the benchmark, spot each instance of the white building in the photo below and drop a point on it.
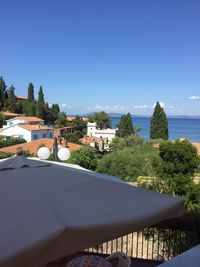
(24, 120)
(28, 128)
(92, 130)
(27, 132)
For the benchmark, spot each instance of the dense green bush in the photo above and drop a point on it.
(4, 155)
(11, 142)
(174, 173)
(130, 162)
(119, 143)
(85, 157)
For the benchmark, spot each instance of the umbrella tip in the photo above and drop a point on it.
(19, 151)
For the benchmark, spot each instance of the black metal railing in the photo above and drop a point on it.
(159, 242)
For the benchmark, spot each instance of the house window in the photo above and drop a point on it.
(44, 135)
(51, 136)
(35, 137)
(21, 136)
(10, 123)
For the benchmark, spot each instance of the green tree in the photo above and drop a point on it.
(159, 124)
(21, 107)
(125, 126)
(2, 119)
(61, 120)
(11, 101)
(74, 137)
(102, 119)
(81, 125)
(174, 172)
(119, 143)
(54, 111)
(31, 97)
(179, 161)
(31, 109)
(2, 93)
(30, 106)
(40, 106)
(85, 157)
(130, 162)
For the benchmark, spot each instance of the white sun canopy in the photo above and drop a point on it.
(52, 211)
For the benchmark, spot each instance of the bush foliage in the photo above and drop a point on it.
(130, 162)
(11, 142)
(85, 157)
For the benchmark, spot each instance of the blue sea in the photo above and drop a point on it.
(178, 127)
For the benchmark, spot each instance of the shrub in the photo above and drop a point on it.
(4, 155)
(129, 163)
(130, 141)
(85, 157)
(11, 142)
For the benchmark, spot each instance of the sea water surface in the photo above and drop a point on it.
(178, 127)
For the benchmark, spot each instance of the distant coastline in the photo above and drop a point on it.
(145, 116)
(178, 127)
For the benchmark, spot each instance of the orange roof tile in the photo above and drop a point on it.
(32, 146)
(197, 145)
(87, 140)
(22, 97)
(7, 113)
(31, 119)
(34, 127)
(73, 118)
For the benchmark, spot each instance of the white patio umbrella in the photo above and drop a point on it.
(48, 212)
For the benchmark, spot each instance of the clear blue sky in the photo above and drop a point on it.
(113, 55)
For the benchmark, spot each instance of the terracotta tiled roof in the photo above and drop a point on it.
(26, 118)
(22, 97)
(87, 140)
(34, 127)
(7, 113)
(73, 118)
(197, 145)
(31, 119)
(33, 146)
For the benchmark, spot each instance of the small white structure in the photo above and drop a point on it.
(92, 130)
(27, 132)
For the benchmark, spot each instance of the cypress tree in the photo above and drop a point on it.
(159, 124)
(40, 106)
(31, 92)
(11, 101)
(2, 93)
(30, 105)
(125, 127)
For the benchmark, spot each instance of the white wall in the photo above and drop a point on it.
(91, 128)
(14, 122)
(110, 136)
(42, 134)
(29, 136)
(16, 131)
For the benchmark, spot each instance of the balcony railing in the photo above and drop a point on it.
(158, 243)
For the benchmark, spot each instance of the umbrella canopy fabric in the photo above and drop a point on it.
(54, 211)
(18, 162)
